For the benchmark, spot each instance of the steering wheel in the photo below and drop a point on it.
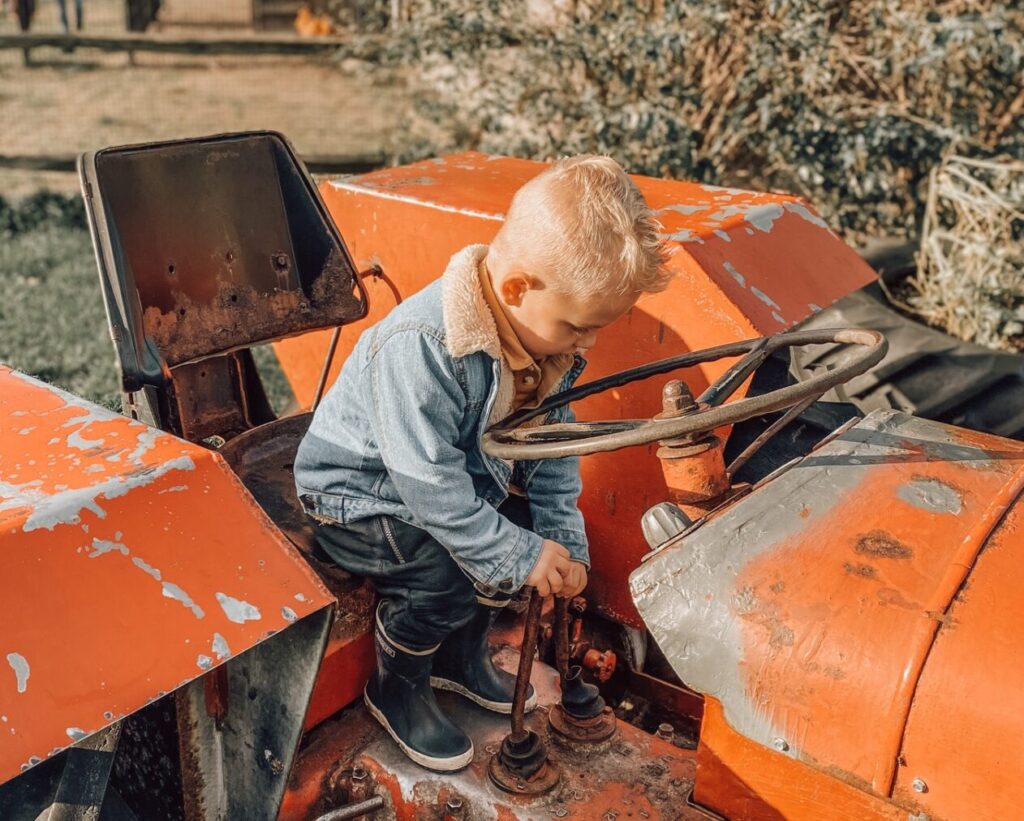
(507, 440)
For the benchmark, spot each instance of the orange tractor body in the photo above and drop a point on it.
(834, 638)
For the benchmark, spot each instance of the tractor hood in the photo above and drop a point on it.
(858, 612)
(131, 563)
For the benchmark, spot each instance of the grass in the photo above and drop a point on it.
(52, 321)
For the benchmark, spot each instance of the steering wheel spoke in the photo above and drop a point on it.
(726, 385)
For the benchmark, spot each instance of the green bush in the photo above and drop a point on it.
(849, 104)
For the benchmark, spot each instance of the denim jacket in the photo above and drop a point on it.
(399, 434)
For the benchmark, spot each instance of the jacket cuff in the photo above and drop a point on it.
(511, 574)
(575, 541)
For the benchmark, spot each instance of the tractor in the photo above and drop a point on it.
(800, 605)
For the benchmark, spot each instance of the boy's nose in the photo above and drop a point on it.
(587, 340)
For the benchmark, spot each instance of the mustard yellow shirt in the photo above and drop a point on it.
(534, 378)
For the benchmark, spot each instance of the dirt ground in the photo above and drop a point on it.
(68, 103)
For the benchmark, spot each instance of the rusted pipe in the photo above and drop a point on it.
(526, 663)
(354, 810)
(562, 637)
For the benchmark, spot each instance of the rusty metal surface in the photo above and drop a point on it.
(263, 458)
(131, 563)
(636, 776)
(808, 607)
(211, 244)
(237, 762)
(728, 258)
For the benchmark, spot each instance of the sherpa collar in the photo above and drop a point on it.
(468, 323)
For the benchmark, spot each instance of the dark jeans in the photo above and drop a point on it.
(424, 594)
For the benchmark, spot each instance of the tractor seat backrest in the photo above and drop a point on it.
(207, 247)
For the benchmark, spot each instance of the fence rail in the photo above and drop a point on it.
(288, 45)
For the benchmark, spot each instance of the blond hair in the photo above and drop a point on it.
(584, 227)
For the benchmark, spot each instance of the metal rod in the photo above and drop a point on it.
(726, 385)
(376, 272)
(768, 433)
(562, 636)
(526, 662)
(354, 810)
(328, 361)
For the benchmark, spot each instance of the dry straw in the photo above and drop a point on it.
(970, 278)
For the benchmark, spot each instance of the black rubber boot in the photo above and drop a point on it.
(398, 695)
(463, 665)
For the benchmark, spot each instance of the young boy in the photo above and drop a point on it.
(392, 467)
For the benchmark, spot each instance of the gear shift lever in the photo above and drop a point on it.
(521, 765)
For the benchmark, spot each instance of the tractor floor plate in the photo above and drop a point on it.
(632, 775)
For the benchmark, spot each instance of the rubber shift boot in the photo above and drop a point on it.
(398, 695)
(463, 665)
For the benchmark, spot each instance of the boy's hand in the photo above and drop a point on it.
(548, 575)
(575, 581)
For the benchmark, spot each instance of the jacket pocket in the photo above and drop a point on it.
(384, 489)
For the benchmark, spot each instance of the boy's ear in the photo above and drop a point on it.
(514, 287)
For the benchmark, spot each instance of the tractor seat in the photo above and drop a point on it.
(263, 458)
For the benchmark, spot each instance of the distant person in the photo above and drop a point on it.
(62, 4)
(24, 9)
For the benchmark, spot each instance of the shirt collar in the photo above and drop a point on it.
(516, 355)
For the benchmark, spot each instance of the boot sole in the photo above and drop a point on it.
(503, 707)
(440, 765)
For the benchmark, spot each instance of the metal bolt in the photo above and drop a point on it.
(780, 744)
(676, 398)
(666, 731)
(359, 773)
(453, 805)
(919, 785)
(561, 812)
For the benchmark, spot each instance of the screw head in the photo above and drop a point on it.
(919, 785)
(781, 745)
(358, 773)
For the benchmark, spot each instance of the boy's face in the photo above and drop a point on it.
(549, 322)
